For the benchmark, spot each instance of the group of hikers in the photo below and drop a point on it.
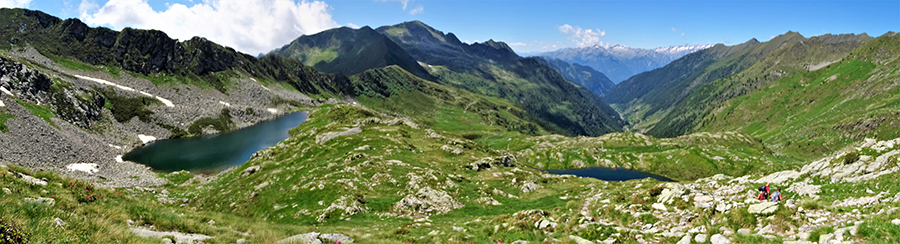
(765, 194)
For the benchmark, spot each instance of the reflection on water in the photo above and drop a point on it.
(215, 152)
(607, 174)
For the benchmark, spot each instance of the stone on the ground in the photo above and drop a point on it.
(779, 177)
(250, 170)
(579, 240)
(32, 180)
(167, 241)
(7, 190)
(335, 238)
(827, 238)
(700, 238)
(743, 231)
(719, 239)
(895, 221)
(763, 208)
(659, 206)
(179, 237)
(703, 201)
(41, 200)
(671, 191)
(59, 223)
(312, 237)
(686, 239)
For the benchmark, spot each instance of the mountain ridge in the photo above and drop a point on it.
(620, 62)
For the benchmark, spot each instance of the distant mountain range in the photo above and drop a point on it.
(621, 62)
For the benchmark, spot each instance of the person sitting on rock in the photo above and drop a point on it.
(764, 192)
(776, 196)
(762, 196)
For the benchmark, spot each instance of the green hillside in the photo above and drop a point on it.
(808, 114)
(585, 76)
(493, 69)
(646, 97)
(349, 51)
(784, 55)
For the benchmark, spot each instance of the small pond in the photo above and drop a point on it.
(215, 152)
(607, 174)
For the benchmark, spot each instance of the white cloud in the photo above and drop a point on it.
(351, 25)
(403, 2)
(87, 5)
(518, 44)
(417, 10)
(682, 34)
(14, 3)
(582, 37)
(674, 30)
(248, 26)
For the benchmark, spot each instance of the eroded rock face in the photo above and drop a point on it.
(763, 208)
(426, 201)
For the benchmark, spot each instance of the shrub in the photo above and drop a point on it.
(851, 157)
(810, 204)
(9, 233)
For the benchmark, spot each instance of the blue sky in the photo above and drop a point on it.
(528, 26)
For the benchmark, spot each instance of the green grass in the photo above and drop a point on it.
(42, 111)
(222, 123)
(5, 116)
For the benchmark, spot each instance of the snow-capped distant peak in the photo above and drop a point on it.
(682, 49)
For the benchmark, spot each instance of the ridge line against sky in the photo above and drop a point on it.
(528, 27)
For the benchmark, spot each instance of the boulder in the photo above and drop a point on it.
(743, 231)
(426, 201)
(763, 208)
(700, 238)
(671, 191)
(895, 221)
(803, 188)
(41, 200)
(719, 239)
(579, 240)
(250, 170)
(779, 177)
(685, 240)
(659, 206)
(335, 238)
(308, 238)
(703, 201)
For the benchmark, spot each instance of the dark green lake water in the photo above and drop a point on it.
(607, 174)
(215, 152)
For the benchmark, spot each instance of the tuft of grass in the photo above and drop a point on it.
(42, 111)
(815, 234)
(4, 116)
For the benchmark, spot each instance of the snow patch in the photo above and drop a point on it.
(6, 91)
(89, 168)
(114, 146)
(119, 159)
(105, 82)
(1, 104)
(272, 110)
(224, 103)
(146, 138)
(260, 84)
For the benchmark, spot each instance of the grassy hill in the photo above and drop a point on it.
(349, 51)
(809, 113)
(493, 69)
